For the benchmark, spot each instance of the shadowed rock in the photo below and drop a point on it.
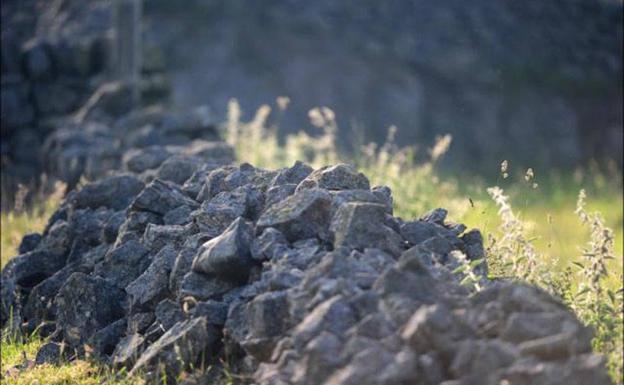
(87, 304)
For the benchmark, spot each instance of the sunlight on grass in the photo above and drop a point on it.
(17, 223)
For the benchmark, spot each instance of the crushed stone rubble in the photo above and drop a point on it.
(291, 276)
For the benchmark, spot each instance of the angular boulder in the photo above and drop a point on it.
(87, 304)
(302, 215)
(227, 256)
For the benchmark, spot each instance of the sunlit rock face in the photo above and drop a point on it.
(538, 82)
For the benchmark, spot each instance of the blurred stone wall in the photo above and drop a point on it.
(55, 54)
(538, 82)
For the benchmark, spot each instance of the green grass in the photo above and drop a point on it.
(547, 213)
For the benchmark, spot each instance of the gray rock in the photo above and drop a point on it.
(128, 350)
(436, 216)
(478, 359)
(40, 303)
(178, 168)
(215, 312)
(203, 287)
(402, 370)
(334, 315)
(29, 269)
(104, 341)
(580, 370)
(337, 177)
(278, 193)
(112, 226)
(341, 197)
(115, 192)
(181, 266)
(529, 326)
(87, 225)
(49, 353)
(216, 215)
(417, 232)
(214, 183)
(268, 318)
(363, 368)
(124, 264)
(29, 243)
(85, 305)
(180, 347)
(37, 60)
(137, 323)
(300, 216)
(168, 313)
(321, 358)
(228, 256)
(268, 244)
(292, 175)
(57, 239)
(178, 216)
(139, 160)
(134, 226)
(161, 197)
(156, 237)
(358, 225)
(557, 346)
(153, 285)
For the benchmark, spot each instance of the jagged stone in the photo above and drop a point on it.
(124, 264)
(203, 287)
(49, 353)
(215, 312)
(153, 285)
(359, 225)
(227, 256)
(156, 237)
(268, 244)
(181, 346)
(140, 160)
(128, 350)
(178, 168)
(338, 177)
(86, 304)
(218, 213)
(292, 175)
(300, 216)
(115, 192)
(161, 197)
(30, 269)
(168, 313)
(104, 341)
(29, 243)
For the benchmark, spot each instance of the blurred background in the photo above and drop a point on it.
(538, 82)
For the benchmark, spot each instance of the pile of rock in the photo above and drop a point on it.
(293, 276)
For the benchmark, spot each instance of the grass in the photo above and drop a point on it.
(566, 251)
